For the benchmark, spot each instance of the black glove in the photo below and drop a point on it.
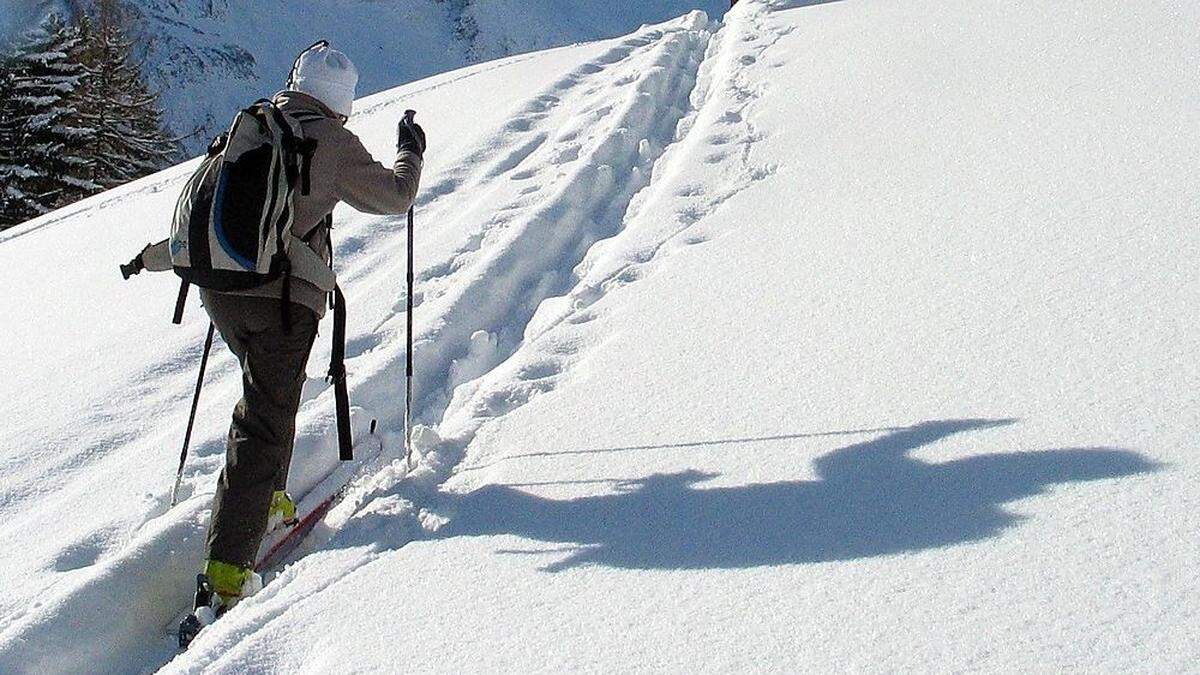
(411, 137)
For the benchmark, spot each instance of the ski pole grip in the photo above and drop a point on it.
(132, 267)
(409, 118)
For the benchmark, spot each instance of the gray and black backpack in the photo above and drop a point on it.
(231, 220)
(232, 226)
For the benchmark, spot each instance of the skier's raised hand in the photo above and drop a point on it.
(410, 136)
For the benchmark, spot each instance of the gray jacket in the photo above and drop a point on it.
(341, 171)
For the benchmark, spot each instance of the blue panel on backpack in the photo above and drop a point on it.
(219, 225)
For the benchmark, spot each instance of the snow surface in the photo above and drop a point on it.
(19, 15)
(839, 336)
(214, 56)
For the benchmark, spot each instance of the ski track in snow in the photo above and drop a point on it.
(613, 248)
(558, 196)
(659, 220)
(529, 346)
(551, 196)
(557, 186)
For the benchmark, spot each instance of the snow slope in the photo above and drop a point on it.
(16, 15)
(208, 58)
(840, 336)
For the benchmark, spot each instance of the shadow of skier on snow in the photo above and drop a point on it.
(872, 499)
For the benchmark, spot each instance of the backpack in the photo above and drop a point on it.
(232, 225)
(232, 229)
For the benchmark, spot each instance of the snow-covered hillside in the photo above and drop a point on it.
(16, 15)
(835, 336)
(212, 57)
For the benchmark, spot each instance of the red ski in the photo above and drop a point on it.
(315, 504)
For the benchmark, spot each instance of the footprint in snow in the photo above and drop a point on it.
(83, 553)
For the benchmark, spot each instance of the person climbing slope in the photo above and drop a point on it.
(252, 231)
(273, 348)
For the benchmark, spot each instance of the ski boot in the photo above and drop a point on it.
(282, 513)
(218, 589)
(205, 610)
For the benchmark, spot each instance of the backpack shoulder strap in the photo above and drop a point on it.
(298, 149)
(306, 147)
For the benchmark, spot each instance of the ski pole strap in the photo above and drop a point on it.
(337, 376)
(180, 302)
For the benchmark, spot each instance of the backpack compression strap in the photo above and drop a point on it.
(337, 358)
(180, 302)
(293, 161)
(337, 376)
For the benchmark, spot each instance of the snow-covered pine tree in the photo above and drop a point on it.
(130, 139)
(45, 161)
(11, 207)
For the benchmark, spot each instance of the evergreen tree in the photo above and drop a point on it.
(45, 161)
(129, 138)
(11, 209)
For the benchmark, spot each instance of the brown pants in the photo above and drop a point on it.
(259, 449)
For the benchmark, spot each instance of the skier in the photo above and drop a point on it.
(251, 495)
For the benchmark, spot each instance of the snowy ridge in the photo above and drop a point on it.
(216, 47)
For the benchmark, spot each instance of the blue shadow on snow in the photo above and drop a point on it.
(872, 499)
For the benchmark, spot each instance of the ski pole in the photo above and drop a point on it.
(408, 370)
(187, 437)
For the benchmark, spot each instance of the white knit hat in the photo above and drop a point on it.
(328, 76)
